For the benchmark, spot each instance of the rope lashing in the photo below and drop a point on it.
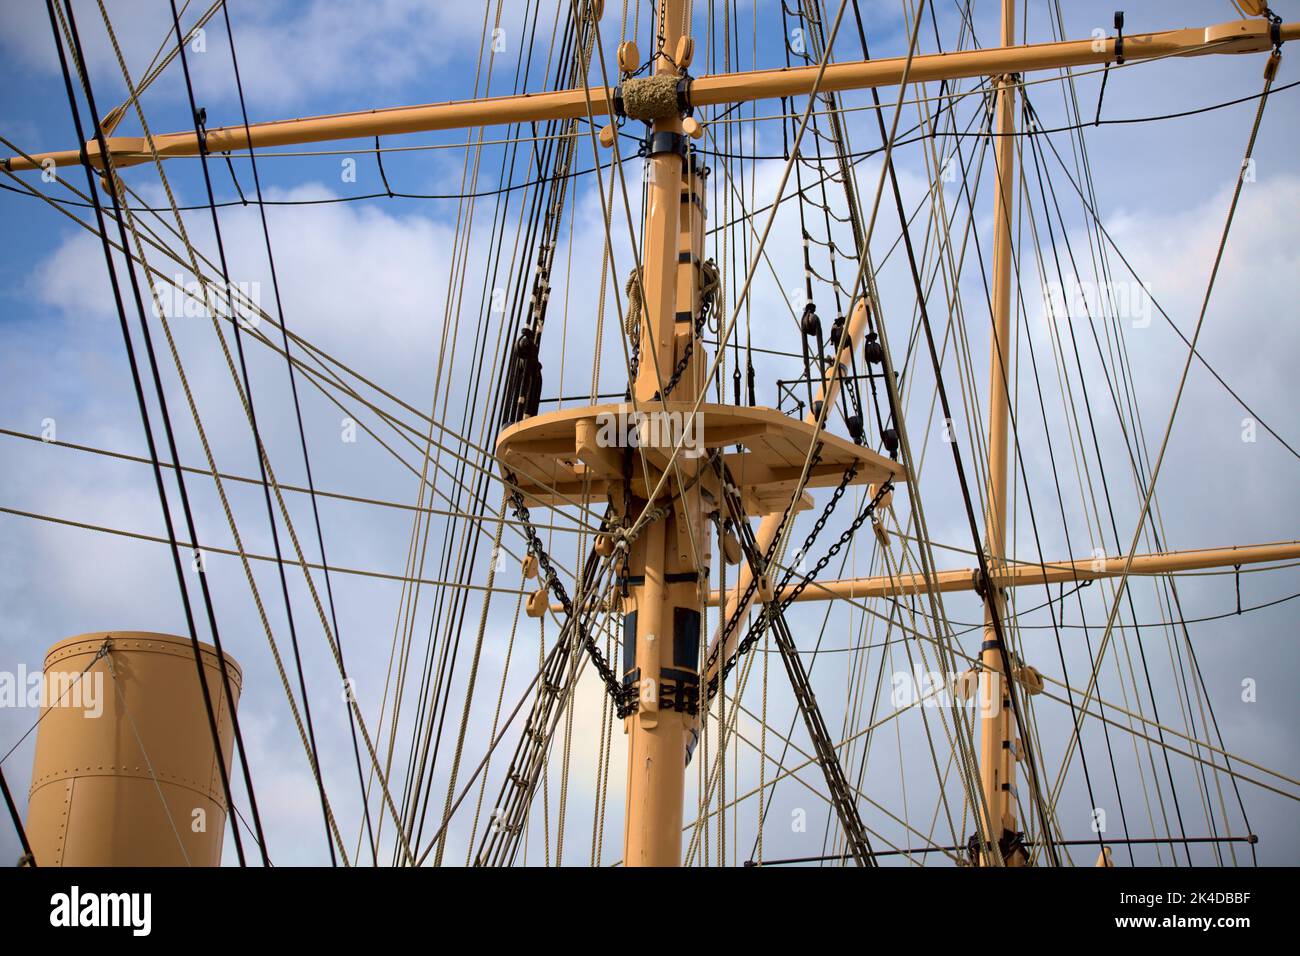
(651, 98)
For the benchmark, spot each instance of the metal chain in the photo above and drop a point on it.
(681, 363)
(757, 629)
(835, 549)
(734, 621)
(707, 303)
(552, 580)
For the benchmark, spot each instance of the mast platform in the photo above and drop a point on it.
(558, 457)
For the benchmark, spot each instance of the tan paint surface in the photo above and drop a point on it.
(97, 798)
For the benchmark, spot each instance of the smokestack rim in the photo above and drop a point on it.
(141, 642)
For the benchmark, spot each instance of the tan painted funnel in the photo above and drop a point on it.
(125, 773)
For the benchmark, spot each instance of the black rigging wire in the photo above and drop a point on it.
(1129, 448)
(28, 856)
(1060, 500)
(1157, 118)
(203, 207)
(995, 616)
(1054, 623)
(302, 434)
(1096, 218)
(538, 219)
(420, 777)
(1101, 470)
(200, 135)
(144, 415)
(535, 311)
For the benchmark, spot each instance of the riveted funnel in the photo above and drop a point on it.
(125, 772)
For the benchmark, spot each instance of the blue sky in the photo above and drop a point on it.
(371, 282)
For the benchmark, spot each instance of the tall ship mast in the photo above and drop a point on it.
(766, 462)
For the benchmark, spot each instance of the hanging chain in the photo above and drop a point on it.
(734, 621)
(757, 629)
(681, 363)
(552, 580)
(708, 299)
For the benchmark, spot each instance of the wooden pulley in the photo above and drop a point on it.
(685, 52)
(1029, 678)
(629, 57)
(607, 136)
(882, 533)
(604, 545)
(763, 593)
(886, 499)
(529, 566)
(731, 552)
(692, 127)
(538, 602)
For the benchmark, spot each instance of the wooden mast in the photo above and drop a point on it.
(665, 596)
(997, 750)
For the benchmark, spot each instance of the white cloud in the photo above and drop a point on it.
(287, 51)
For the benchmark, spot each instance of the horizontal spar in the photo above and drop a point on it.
(1017, 575)
(1238, 36)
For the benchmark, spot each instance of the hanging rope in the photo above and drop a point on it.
(632, 317)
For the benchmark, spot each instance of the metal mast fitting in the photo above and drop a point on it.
(125, 773)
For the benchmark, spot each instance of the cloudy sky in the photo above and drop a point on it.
(396, 289)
